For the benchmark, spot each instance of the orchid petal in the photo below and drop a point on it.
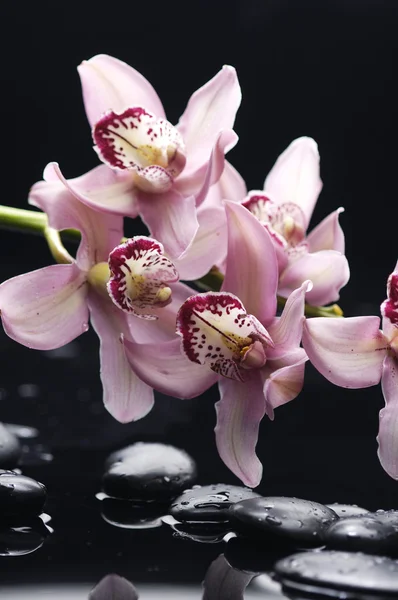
(113, 587)
(328, 235)
(200, 181)
(110, 84)
(100, 232)
(139, 276)
(251, 267)
(295, 176)
(286, 331)
(209, 246)
(328, 270)
(349, 352)
(171, 219)
(45, 309)
(126, 397)
(216, 329)
(211, 109)
(284, 384)
(166, 369)
(232, 184)
(239, 412)
(223, 582)
(102, 189)
(388, 429)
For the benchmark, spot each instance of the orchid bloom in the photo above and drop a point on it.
(235, 338)
(355, 353)
(285, 208)
(49, 307)
(152, 168)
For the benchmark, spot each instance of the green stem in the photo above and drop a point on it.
(30, 221)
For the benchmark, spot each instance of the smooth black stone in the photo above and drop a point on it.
(10, 448)
(148, 472)
(347, 510)
(256, 556)
(362, 534)
(334, 574)
(22, 539)
(389, 517)
(209, 503)
(127, 514)
(205, 533)
(20, 495)
(277, 516)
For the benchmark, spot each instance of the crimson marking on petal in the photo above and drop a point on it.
(216, 329)
(139, 274)
(111, 128)
(389, 308)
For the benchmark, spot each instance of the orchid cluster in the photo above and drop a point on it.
(244, 255)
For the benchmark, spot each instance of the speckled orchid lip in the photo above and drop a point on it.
(285, 222)
(389, 308)
(136, 140)
(139, 276)
(218, 332)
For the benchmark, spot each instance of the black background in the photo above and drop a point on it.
(322, 69)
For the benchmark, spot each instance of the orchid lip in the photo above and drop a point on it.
(217, 332)
(140, 274)
(136, 140)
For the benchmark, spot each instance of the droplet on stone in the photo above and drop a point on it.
(301, 521)
(334, 574)
(347, 510)
(145, 471)
(209, 503)
(362, 534)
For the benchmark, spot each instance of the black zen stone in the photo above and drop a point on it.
(20, 495)
(347, 510)
(333, 574)
(362, 534)
(148, 472)
(387, 516)
(22, 539)
(209, 503)
(301, 521)
(10, 448)
(128, 515)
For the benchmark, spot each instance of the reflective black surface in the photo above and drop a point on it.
(308, 68)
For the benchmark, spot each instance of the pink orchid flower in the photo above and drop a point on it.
(355, 353)
(285, 207)
(153, 169)
(49, 307)
(234, 337)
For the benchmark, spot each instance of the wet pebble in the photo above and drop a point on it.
(300, 521)
(334, 574)
(128, 515)
(10, 448)
(209, 503)
(16, 540)
(389, 517)
(347, 510)
(363, 534)
(146, 472)
(20, 495)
